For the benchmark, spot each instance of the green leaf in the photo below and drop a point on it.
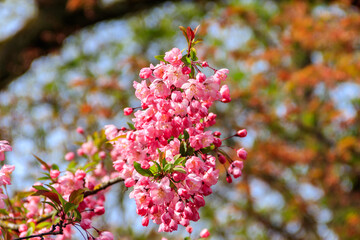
(62, 200)
(69, 207)
(192, 74)
(55, 167)
(154, 169)
(160, 58)
(187, 238)
(186, 135)
(184, 32)
(179, 161)
(43, 178)
(168, 167)
(183, 148)
(52, 196)
(144, 172)
(186, 60)
(77, 196)
(121, 136)
(176, 157)
(131, 126)
(42, 162)
(158, 166)
(193, 54)
(72, 166)
(37, 187)
(179, 169)
(43, 225)
(51, 204)
(77, 215)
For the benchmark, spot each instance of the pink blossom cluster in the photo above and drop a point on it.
(168, 157)
(90, 207)
(5, 171)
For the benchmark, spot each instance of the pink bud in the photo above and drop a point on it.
(201, 77)
(80, 130)
(23, 228)
(199, 201)
(222, 159)
(99, 210)
(128, 111)
(241, 133)
(154, 209)
(80, 152)
(145, 221)
(177, 176)
(189, 229)
(204, 233)
(179, 207)
(204, 64)
(80, 174)
(217, 142)
(186, 70)
(54, 173)
(69, 156)
(129, 182)
(241, 153)
(217, 134)
(102, 155)
(85, 223)
(145, 73)
(228, 179)
(183, 193)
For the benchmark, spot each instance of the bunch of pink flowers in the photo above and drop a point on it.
(168, 156)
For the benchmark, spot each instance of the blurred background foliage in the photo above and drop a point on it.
(294, 80)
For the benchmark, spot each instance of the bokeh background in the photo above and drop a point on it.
(294, 80)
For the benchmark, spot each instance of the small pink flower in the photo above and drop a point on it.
(241, 153)
(99, 210)
(54, 173)
(173, 56)
(204, 64)
(80, 130)
(89, 148)
(23, 228)
(189, 229)
(106, 236)
(5, 172)
(80, 174)
(102, 155)
(69, 156)
(186, 70)
(204, 233)
(85, 223)
(235, 168)
(128, 111)
(145, 73)
(145, 221)
(4, 147)
(201, 77)
(225, 94)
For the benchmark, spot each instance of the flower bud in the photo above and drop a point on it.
(241, 153)
(128, 111)
(99, 210)
(186, 70)
(222, 159)
(69, 156)
(189, 229)
(204, 64)
(204, 233)
(228, 179)
(241, 133)
(80, 130)
(54, 173)
(129, 182)
(145, 221)
(201, 77)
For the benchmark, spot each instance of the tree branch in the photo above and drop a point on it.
(45, 32)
